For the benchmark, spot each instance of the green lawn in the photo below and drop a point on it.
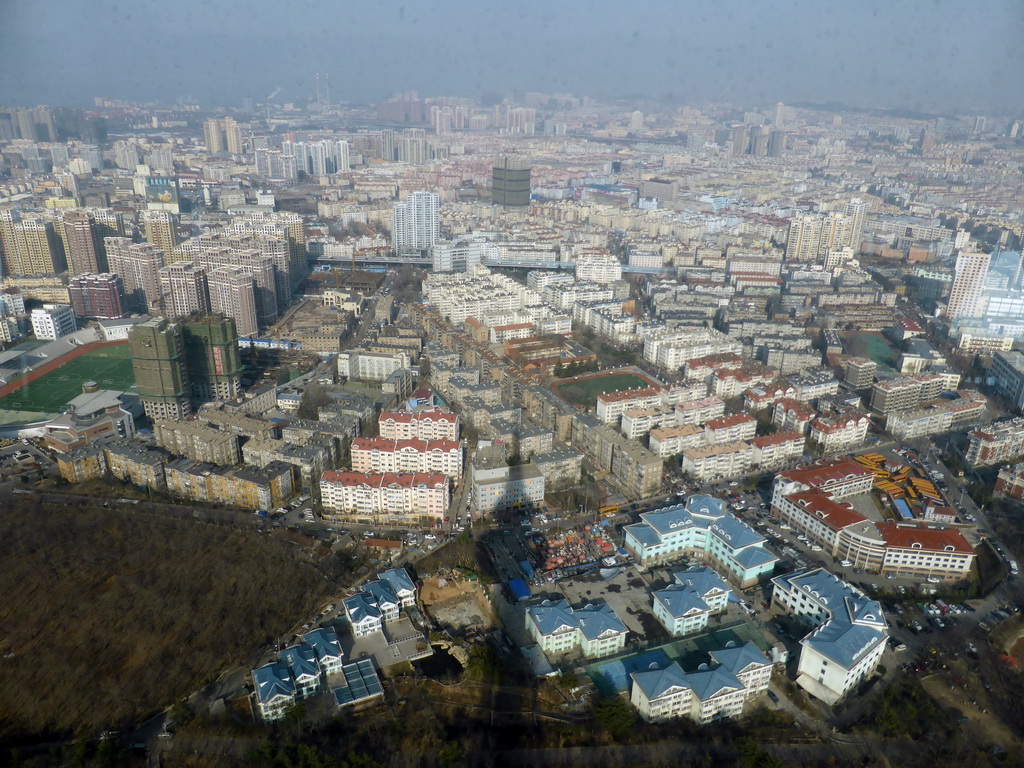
(585, 391)
(110, 368)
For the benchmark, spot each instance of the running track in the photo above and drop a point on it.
(52, 365)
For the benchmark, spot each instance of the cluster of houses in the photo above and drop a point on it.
(317, 665)
(380, 602)
(310, 668)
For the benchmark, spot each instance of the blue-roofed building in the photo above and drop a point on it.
(401, 584)
(848, 632)
(593, 628)
(363, 615)
(324, 642)
(707, 585)
(702, 528)
(383, 596)
(274, 690)
(747, 664)
(680, 610)
(304, 667)
(903, 509)
(380, 602)
(602, 633)
(712, 692)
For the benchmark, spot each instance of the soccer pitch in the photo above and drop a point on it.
(585, 391)
(110, 368)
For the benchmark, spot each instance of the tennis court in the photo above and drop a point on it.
(110, 368)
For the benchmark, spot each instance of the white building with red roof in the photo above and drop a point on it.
(699, 411)
(432, 424)
(728, 383)
(760, 398)
(612, 405)
(920, 549)
(379, 454)
(731, 428)
(838, 478)
(793, 415)
(841, 432)
(808, 498)
(772, 452)
(391, 495)
(701, 368)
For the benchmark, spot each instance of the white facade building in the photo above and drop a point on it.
(848, 636)
(416, 224)
(716, 691)
(594, 628)
(53, 321)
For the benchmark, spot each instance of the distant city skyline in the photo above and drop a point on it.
(918, 55)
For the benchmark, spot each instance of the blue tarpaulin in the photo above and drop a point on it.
(519, 589)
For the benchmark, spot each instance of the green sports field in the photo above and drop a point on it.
(585, 391)
(110, 368)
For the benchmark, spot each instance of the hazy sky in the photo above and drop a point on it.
(924, 54)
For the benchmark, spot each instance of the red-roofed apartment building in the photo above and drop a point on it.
(772, 452)
(396, 497)
(612, 405)
(808, 499)
(378, 454)
(434, 424)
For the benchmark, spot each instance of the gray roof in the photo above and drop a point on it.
(705, 683)
(655, 682)
(843, 642)
(644, 533)
(358, 608)
(680, 600)
(324, 641)
(381, 593)
(702, 580)
(597, 619)
(398, 579)
(739, 658)
(855, 623)
(752, 556)
(706, 506)
(301, 660)
(734, 532)
(708, 683)
(272, 680)
(552, 616)
(667, 520)
(593, 619)
(707, 513)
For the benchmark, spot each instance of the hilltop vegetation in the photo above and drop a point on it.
(109, 616)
